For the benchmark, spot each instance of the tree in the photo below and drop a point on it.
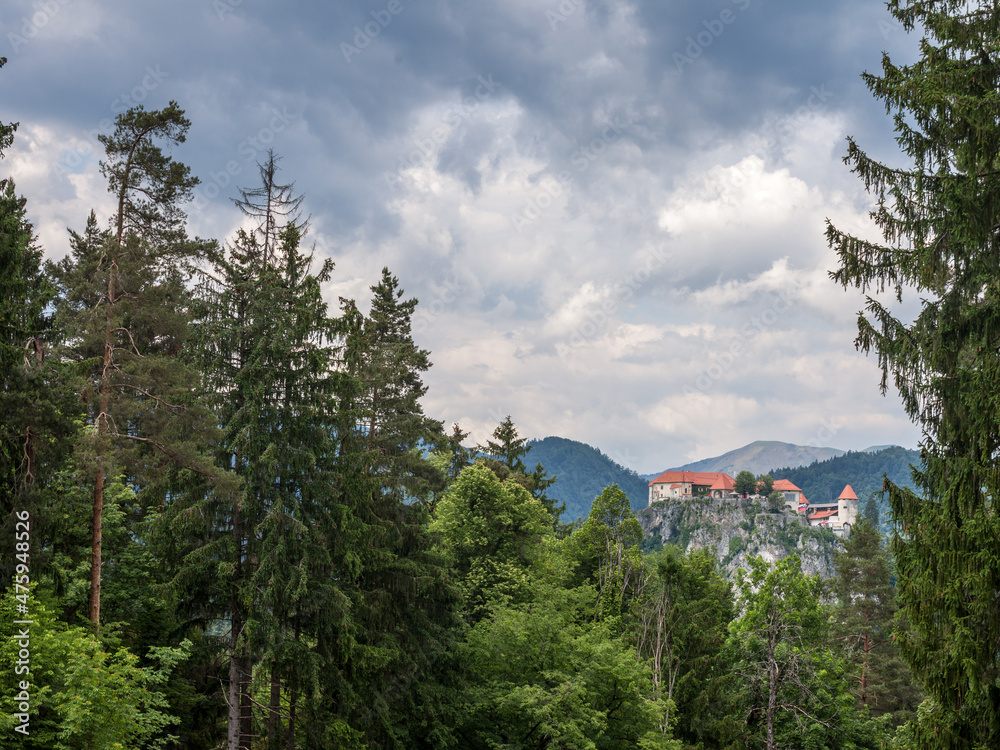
(503, 455)
(775, 502)
(865, 624)
(684, 610)
(507, 446)
(612, 534)
(541, 676)
(746, 483)
(938, 220)
(123, 309)
(492, 532)
(765, 485)
(779, 652)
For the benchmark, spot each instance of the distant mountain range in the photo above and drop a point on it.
(582, 471)
(760, 457)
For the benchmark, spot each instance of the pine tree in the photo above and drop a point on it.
(939, 220)
(865, 624)
(123, 310)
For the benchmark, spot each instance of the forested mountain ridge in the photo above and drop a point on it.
(823, 481)
(582, 472)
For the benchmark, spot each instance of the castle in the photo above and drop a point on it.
(839, 516)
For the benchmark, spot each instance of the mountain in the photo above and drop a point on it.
(582, 472)
(761, 456)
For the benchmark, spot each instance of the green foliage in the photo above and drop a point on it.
(746, 483)
(503, 455)
(83, 694)
(492, 532)
(680, 626)
(775, 502)
(541, 675)
(938, 221)
(582, 472)
(865, 624)
(765, 485)
(793, 685)
(612, 535)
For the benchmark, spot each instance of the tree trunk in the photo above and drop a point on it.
(95, 546)
(274, 715)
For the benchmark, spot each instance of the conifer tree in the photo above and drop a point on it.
(939, 218)
(122, 306)
(37, 408)
(504, 454)
(865, 624)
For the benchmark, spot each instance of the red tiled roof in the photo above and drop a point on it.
(675, 486)
(822, 514)
(725, 483)
(847, 494)
(700, 478)
(783, 485)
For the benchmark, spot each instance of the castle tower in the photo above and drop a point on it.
(847, 508)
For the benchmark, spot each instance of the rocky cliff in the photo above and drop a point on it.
(738, 529)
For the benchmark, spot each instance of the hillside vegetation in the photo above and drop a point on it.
(582, 472)
(823, 481)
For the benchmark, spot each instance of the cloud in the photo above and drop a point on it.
(589, 227)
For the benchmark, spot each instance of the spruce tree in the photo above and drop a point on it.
(939, 220)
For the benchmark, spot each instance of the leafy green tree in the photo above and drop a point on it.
(82, 693)
(612, 535)
(745, 483)
(492, 532)
(775, 502)
(541, 676)
(682, 619)
(503, 455)
(765, 485)
(793, 683)
(938, 219)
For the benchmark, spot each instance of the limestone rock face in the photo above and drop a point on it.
(737, 529)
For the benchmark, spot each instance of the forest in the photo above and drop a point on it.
(227, 522)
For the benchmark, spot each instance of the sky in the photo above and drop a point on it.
(612, 213)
